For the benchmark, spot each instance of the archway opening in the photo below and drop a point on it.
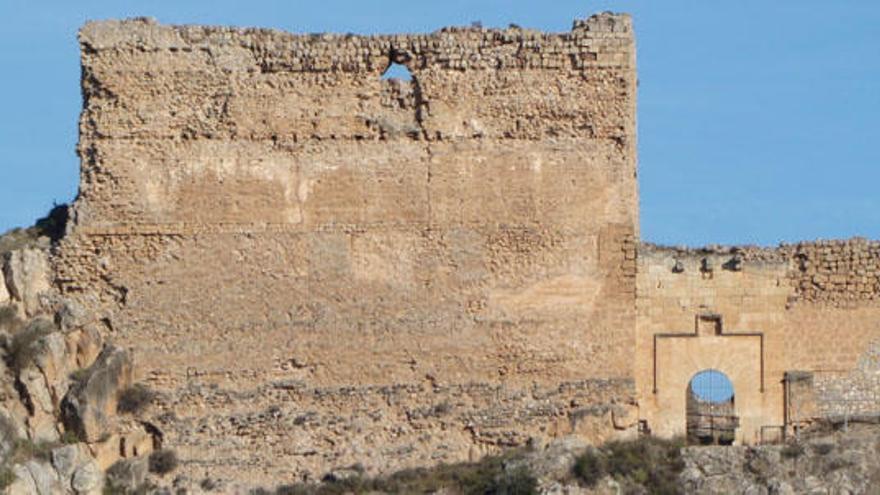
(711, 409)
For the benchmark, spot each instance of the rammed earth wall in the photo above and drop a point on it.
(375, 272)
(318, 268)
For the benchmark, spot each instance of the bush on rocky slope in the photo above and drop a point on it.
(491, 476)
(52, 227)
(646, 465)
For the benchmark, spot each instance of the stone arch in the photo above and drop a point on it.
(711, 409)
(678, 357)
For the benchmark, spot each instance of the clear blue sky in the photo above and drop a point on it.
(758, 119)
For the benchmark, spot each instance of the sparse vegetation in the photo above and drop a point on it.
(491, 476)
(6, 477)
(208, 485)
(70, 437)
(590, 467)
(144, 489)
(163, 462)
(823, 448)
(26, 344)
(28, 449)
(135, 399)
(79, 375)
(51, 226)
(649, 465)
(792, 451)
(9, 320)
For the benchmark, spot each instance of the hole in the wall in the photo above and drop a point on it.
(711, 411)
(396, 71)
(712, 386)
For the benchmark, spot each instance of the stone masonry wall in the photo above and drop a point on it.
(816, 306)
(378, 272)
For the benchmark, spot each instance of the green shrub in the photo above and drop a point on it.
(79, 375)
(9, 320)
(135, 399)
(647, 464)
(7, 477)
(26, 450)
(519, 482)
(163, 462)
(70, 437)
(792, 451)
(589, 468)
(486, 477)
(823, 448)
(27, 344)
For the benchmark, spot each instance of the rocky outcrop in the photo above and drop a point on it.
(90, 406)
(837, 462)
(69, 469)
(59, 387)
(4, 292)
(27, 275)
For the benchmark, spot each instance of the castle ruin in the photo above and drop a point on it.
(317, 267)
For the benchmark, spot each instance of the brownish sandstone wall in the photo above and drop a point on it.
(816, 306)
(319, 268)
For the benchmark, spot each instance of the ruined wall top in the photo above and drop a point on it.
(269, 50)
(841, 273)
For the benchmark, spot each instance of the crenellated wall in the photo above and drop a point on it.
(285, 239)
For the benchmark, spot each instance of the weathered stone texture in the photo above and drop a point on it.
(317, 267)
(812, 307)
(260, 208)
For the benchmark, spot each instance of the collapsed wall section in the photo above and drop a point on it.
(810, 310)
(318, 267)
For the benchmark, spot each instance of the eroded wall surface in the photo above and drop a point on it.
(810, 308)
(317, 267)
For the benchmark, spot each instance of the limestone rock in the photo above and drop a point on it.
(33, 382)
(27, 276)
(10, 431)
(88, 479)
(55, 363)
(554, 462)
(24, 483)
(71, 316)
(90, 404)
(107, 451)
(4, 292)
(67, 459)
(45, 478)
(85, 344)
(44, 428)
